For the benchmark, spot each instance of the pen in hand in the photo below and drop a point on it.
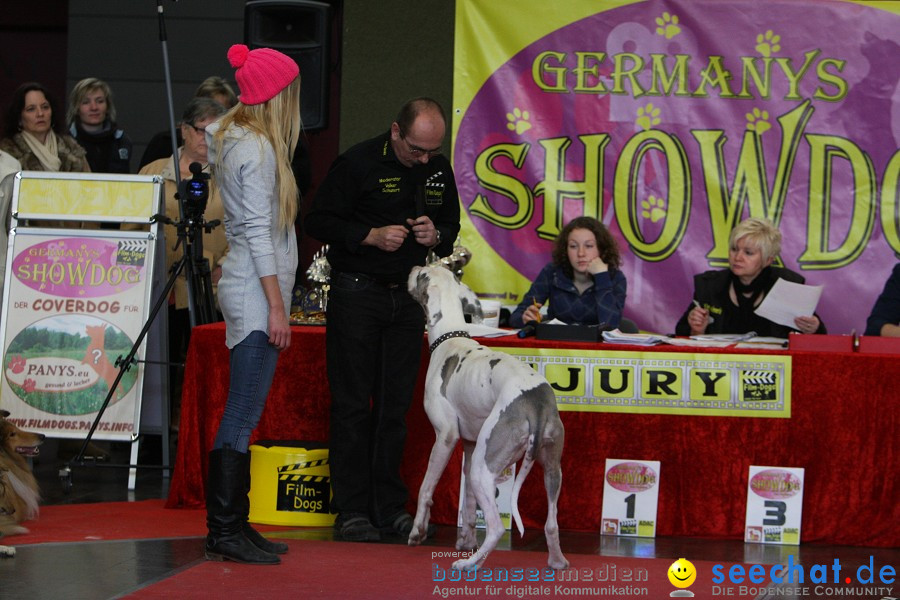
(709, 318)
(537, 307)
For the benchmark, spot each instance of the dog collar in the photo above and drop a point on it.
(447, 336)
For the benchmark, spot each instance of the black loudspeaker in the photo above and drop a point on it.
(300, 29)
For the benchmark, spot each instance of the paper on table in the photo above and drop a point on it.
(731, 338)
(787, 301)
(481, 330)
(639, 339)
(683, 341)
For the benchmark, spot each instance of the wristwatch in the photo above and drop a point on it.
(437, 237)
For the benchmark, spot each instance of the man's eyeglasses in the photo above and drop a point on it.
(415, 150)
(197, 129)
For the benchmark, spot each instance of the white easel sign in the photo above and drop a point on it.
(630, 497)
(774, 505)
(502, 495)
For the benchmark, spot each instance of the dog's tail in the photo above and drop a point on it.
(527, 463)
(8, 526)
(535, 439)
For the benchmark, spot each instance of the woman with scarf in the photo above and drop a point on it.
(725, 301)
(30, 129)
(92, 122)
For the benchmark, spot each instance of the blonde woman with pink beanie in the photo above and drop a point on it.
(250, 149)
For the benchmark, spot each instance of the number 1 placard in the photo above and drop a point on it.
(774, 505)
(630, 495)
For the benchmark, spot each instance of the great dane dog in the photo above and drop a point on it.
(501, 408)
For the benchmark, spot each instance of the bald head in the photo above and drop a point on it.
(418, 132)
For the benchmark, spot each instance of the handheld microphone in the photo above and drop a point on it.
(528, 330)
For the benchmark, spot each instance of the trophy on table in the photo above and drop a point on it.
(313, 302)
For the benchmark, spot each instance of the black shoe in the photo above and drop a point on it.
(355, 527)
(261, 542)
(255, 537)
(239, 549)
(225, 498)
(401, 524)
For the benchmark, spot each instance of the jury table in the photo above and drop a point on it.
(844, 430)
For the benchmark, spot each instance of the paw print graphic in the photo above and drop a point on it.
(653, 208)
(29, 385)
(16, 363)
(768, 43)
(668, 26)
(518, 121)
(758, 121)
(648, 116)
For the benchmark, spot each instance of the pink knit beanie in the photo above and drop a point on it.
(261, 73)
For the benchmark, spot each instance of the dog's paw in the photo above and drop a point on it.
(558, 565)
(466, 539)
(467, 565)
(416, 537)
(7, 552)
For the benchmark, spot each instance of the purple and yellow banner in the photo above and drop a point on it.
(75, 303)
(671, 121)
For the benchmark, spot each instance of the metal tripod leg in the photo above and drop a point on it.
(65, 473)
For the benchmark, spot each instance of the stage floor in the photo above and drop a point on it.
(118, 569)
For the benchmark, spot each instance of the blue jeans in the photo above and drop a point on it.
(252, 369)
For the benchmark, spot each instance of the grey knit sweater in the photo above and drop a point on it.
(245, 174)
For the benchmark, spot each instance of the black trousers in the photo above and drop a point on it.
(374, 345)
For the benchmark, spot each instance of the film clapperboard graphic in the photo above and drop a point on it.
(759, 386)
(304, 487)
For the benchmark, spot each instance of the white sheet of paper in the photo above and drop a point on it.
(787, 301)
(481, 330)
(682, 341)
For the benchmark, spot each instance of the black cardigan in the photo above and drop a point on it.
(711, 291)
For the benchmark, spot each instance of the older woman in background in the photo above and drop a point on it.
(160, 145)
(30, 133)
(725, 300)
(92, 123)
(199, 113)
(217, 88)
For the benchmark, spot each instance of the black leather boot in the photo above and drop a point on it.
(251, 534)
(225, 498)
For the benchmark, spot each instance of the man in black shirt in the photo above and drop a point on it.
(384, 203)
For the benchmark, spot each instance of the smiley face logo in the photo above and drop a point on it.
(682, 573)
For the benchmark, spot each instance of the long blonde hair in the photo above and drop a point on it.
(277, 120)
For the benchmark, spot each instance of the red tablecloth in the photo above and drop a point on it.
(844, 430)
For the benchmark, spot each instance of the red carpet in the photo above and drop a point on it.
(113, 521)
(315, 569)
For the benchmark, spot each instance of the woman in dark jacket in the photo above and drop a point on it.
(584, 283)
(725, 301)
(92, 122)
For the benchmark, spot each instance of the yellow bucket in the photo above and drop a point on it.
(290, 486)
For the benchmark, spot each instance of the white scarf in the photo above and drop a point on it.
(46, 153)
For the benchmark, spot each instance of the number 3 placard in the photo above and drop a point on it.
(774, 505)
(630, 495)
